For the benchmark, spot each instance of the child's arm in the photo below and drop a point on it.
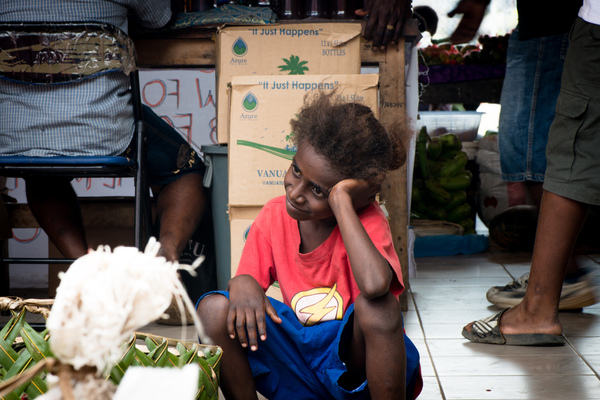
(248, 305)
(371, 270)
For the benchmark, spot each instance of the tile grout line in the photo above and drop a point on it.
(437, 377)
(581, 356)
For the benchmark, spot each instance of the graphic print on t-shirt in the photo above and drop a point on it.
(317, 305)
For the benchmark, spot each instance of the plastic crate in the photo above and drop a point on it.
(464, 124)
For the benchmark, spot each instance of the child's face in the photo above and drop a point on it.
(307, 184)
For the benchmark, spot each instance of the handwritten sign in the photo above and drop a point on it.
(185, 99)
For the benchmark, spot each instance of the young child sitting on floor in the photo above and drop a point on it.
(339, 333)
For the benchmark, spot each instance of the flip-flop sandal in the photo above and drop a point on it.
(487, 330)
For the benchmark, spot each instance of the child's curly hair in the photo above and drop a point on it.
(349, 136)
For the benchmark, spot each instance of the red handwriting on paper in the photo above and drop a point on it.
(29, 239)
(213, 130)
(163, 93)
(176, 93)
(88, 182)
(116, 182)
(209, 98)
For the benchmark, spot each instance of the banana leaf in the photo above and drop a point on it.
(22, 347)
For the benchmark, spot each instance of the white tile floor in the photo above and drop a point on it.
(448, 293)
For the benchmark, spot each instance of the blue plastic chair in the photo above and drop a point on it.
(110, 49)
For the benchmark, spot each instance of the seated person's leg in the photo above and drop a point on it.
(55, 206)
(175, 173)
(377, 349)
(180, 206)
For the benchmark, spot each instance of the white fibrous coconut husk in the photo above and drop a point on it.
(105, 296)
(88, 388)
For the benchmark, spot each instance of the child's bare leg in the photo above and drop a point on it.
(236, 377)
(378, 346)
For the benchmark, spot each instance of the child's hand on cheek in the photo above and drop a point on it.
(360, 192)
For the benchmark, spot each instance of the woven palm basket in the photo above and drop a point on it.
(26, 358)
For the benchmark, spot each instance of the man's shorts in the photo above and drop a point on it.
(573, 150)
(299, 362)
(168, 155)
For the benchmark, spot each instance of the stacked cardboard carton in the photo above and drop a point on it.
(261, 148)
(282, 49)
(263, 77)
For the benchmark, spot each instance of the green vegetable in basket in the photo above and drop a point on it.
(422, 152)
(437, 213)
(417, 200)
(466, 173)
(468, 224)
(456, 199)
(459, 213)
(450, 154)
(458, 182)
(434, 167)
(450, 141)
(454, 166)
(434, 148)
(436, 191)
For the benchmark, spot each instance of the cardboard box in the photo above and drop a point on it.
(260, 151)
(282, 49)
(240, 220)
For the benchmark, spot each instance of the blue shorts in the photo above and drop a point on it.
(168, 155)
(299, 362)
(529, 92)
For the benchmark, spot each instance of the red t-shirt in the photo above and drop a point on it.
(318, 286)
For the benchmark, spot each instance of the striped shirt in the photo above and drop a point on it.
(90, 117)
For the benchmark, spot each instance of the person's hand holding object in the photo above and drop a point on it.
(385, 21)
(472, 12)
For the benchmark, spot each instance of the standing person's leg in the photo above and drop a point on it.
(560, 222)
(529, 94)
(558, 227)
(571, 182)
(55, 206)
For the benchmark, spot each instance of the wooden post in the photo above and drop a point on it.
(392, 103)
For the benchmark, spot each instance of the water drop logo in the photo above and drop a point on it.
(250, 103)
(239, 48)
(246, 232)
